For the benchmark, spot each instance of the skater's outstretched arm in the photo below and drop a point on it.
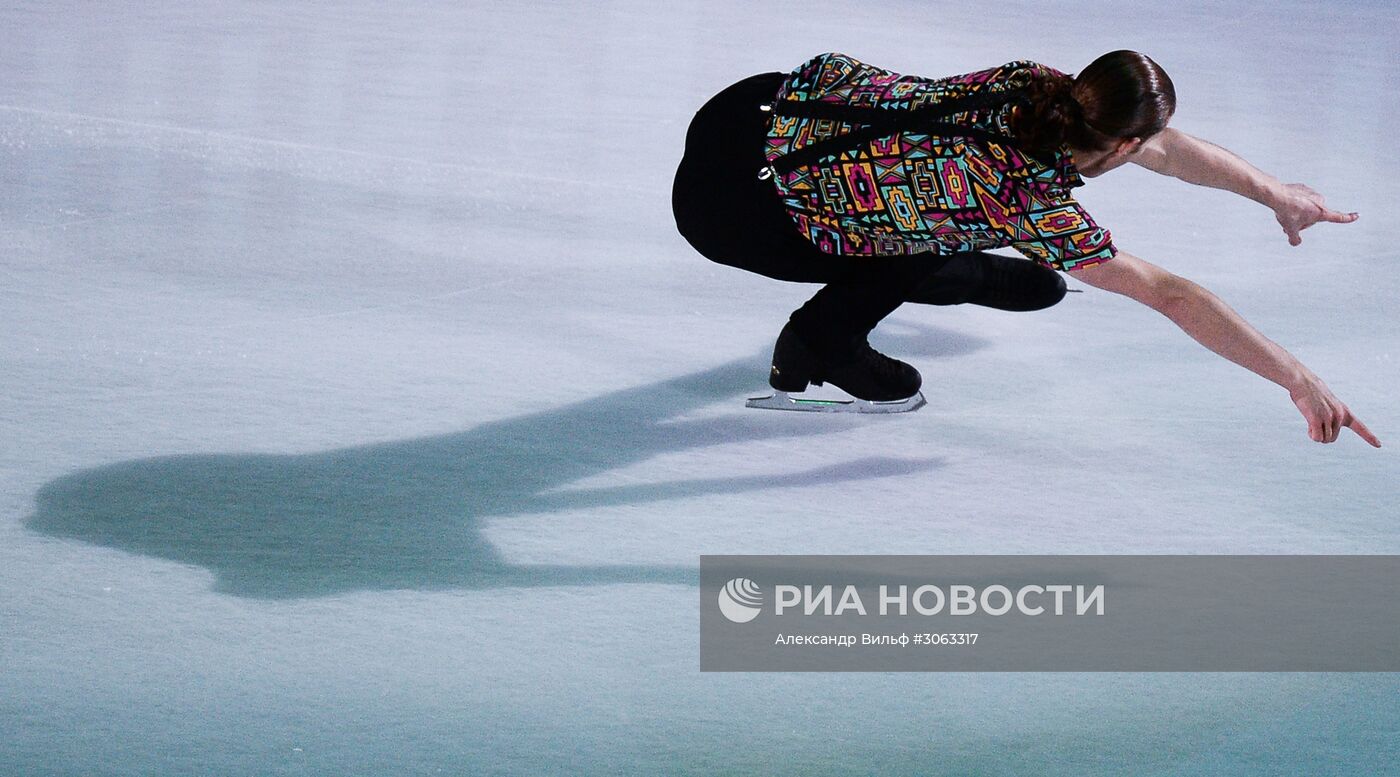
(1215, 325)
(1296, 206)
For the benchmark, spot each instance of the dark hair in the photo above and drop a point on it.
(1122, 94)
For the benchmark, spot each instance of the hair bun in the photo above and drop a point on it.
(1122, 94)
(1052, 114)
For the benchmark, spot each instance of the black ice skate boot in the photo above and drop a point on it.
(852, 366)
(993, 281)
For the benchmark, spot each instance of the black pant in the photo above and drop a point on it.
(732, 217)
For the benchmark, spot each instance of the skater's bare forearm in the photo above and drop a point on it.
(1202, 314)
(1296, 206)
(1200, 162)
(1217, 326)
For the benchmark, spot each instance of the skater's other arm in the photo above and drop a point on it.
(1296, 206)
(1218, 327)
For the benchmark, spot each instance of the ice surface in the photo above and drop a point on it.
(363, 412)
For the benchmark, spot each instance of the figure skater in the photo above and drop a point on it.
(887, 188)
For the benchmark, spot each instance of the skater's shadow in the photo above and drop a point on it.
(411, 514)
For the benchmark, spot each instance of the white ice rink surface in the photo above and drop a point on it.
(361, 411)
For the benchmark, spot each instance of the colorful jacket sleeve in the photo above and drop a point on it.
(1058, 233)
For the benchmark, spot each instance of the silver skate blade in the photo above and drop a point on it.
(781, 400)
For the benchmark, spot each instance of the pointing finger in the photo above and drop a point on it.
(1340, 218)
(1363, 432)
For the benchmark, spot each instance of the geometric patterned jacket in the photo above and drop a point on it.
(897, 164)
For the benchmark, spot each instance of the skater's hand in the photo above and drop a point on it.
(1299, 207)
(1326, 414)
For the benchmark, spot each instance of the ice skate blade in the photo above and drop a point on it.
(781, 400)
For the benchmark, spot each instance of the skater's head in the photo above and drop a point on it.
(1104, 114)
